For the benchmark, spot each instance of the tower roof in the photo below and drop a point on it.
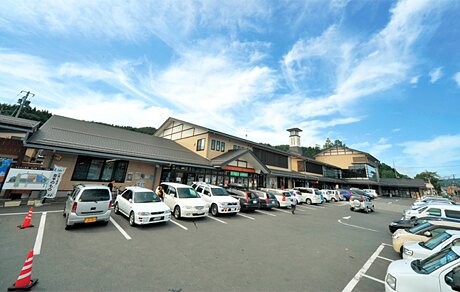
(294, 129)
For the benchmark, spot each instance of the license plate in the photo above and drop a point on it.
(157, 218)
(90, 220)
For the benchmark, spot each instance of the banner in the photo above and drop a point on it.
(27, 179)
(54, 182)
(4, 165)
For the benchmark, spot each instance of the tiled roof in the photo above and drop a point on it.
(29, 125)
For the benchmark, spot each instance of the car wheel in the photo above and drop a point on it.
(333, 200)
(132, 221)
(177, 212)
(401, 251)
(308, 201)
(116, 209)
(214, 210)
(277, 204)
(352, 209)
(367, 210)
(67, 226)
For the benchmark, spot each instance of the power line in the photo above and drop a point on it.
(23, 102)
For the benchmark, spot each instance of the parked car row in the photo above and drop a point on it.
(428, 239)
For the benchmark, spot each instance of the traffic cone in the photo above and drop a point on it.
(26, 223)
(24, 281)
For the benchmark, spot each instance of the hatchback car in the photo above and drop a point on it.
(266, 200)
(283, 197)
(249, 201)
(406, 224)
(88, 204)
(218, 199)
(310, 196)
(419, 250)
(184, 201)
(141, 206)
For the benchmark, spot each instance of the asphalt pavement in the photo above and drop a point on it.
(321, 248)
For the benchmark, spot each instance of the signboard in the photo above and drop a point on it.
(4, 165)
(27, 179)
(54, 181)
(236, 173)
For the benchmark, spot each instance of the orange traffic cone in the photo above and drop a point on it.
(26, 223)
(24, 281)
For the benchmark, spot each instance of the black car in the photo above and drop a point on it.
(249, 201)
(403, 224)
(266, 200)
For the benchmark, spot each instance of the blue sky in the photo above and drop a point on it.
(383, 76)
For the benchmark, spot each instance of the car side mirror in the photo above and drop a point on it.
(427, 233)
(453, 280)
(130, 200)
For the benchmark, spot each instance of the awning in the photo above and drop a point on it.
(290, 174)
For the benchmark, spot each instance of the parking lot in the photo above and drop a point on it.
(321, 248)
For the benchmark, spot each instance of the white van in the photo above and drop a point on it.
(434, 210)
(310, 196)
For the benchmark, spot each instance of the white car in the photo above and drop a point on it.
(438, 272)
(428, 201)
(141, 206)
(327, 195)
(419, 250)
(436, 210)
(309, 196)
(217, 198)
(371, 192)
(184, 201)
(282, 196)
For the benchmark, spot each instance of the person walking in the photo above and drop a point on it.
(294, 202)
(159, 191)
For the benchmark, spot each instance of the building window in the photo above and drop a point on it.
(98, 169)
(213, 144)
(218, 146)
(200, 144)
(235, 147)
(222, 146)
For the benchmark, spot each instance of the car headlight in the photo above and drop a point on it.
(393, 224)
(408, 251)
(143, 213)
(391, 281)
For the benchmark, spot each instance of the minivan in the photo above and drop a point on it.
(88, 204)
(435, 210)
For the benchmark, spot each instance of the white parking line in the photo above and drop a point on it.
(180, 225)
(246, 216)
(317, 206)
(39, 238)
(266, 213)
(287, 212)
(353, 282)
(375, 279)
(305, 207)
(355, 226)
(383, 258)
(122, 231)
(386, 244)
(218, 220)
(24, 213)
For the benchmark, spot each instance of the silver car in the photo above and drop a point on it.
(88, 204)
(361, 203)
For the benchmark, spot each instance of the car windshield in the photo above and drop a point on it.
(187, 193)
(435, 241)
(219, 192)
(417, 228)
(318, 193)
(271, 196)
(287, 194)
(434, 262)
(146, 197)
(95, 195)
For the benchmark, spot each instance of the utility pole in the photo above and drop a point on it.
(23, 101)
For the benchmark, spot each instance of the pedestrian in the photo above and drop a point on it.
(294, 202)
(110, 185)
(159, 191)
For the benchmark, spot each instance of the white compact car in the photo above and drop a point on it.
(309, 196)
(184, 201)
(435, 210)
(217, 198)
(428, 201)
(141, 206)
(371, 192)
(438, 272)
(327, 195)
(282, 196)
(420, 250)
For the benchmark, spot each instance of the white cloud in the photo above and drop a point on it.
(374, 148)
(435, 74)
(414, 80)
(395, 130)
(437, 154)
(457, 78)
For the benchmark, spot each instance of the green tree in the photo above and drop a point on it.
(430, 177)
(328, 144)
